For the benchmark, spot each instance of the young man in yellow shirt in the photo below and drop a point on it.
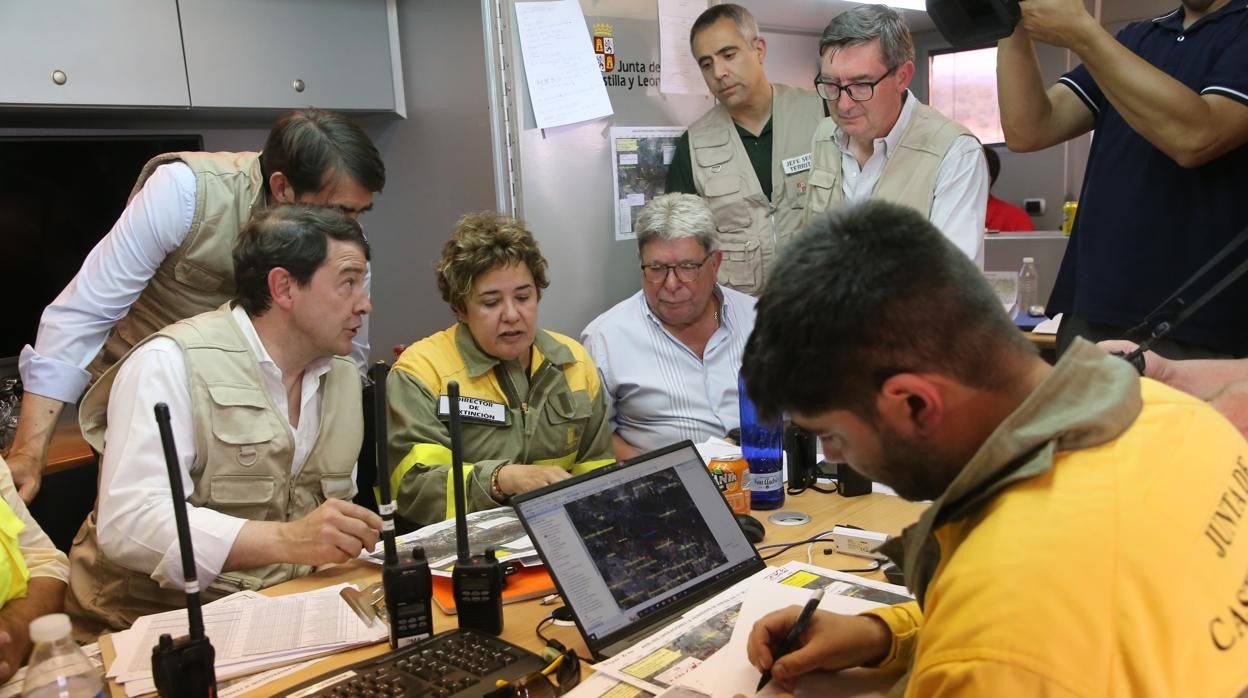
(1086, 532)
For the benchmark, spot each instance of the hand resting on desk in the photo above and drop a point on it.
(831, 642)
(518, 478)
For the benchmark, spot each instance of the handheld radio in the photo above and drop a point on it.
(408, 585)
(183, 668)
(477, 580)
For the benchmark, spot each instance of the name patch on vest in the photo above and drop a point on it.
(795, 164)
(475, 409)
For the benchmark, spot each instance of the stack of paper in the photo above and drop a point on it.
(249, 633)
(497, 528)
(703, 653)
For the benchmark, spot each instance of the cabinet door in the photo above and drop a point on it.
(288, 53)
(89, 52)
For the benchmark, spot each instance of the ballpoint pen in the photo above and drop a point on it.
(790, 640)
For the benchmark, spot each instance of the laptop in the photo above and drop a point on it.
(633, 545)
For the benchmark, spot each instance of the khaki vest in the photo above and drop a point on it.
(909, 176)
(199, 275)
(751, 228)
(243, 449)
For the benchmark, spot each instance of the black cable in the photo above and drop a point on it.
(551, 642)
(785, 547)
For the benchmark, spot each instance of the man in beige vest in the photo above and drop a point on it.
(168, 258)
(881, 142)
(267, 419)
(750, 154)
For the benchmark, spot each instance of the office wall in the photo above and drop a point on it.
(564, 174)
(438, 161)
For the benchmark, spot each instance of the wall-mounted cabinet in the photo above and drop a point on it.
(239, 54)
(91, 53)
(285, 54)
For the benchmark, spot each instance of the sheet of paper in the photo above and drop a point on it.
(680, 73)
(602, 686)
(565, 84)
(728, 671)
(639, 156)
(1048, 326)
(658, 662)
(499, 528)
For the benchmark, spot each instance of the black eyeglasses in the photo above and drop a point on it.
(567, 672)
(686, 271)
(858, 91)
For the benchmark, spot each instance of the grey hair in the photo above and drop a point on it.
(866, 23)
(675, 216)
(740, 16)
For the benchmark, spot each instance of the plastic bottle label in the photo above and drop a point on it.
(766, 482)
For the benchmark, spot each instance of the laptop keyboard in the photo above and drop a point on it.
(454, 663)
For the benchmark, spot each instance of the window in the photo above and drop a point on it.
(962, 85)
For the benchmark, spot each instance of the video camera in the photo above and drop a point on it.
(969, 23)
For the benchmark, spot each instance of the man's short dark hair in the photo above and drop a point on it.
(863, 294)
(994, 165)
(294, 238)
(746, 25)
(309, 145)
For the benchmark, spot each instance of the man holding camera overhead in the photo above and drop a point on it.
(1162, 193)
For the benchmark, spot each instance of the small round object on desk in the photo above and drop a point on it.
(789, 518)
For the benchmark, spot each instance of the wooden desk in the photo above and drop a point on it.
(68, 449)
(875, 511)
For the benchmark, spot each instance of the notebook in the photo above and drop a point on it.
(633, 545)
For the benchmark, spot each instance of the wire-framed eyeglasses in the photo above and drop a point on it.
(858, 91)
(686, 270)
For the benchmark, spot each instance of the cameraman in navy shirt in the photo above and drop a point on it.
(1166, 185)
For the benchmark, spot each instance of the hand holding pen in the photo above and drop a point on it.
(790, 640)
(830, 642)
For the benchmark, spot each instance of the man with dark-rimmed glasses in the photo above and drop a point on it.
(669, 354)
(881, 142)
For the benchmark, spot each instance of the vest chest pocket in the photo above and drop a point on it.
(245, 496)
(567, 414)
(241, 423)
(819, 190)
(198, 277)
(742, 268)
(727, 202)
(337, 487)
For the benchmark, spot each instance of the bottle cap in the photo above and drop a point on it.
(53, 626)
(1029, 260)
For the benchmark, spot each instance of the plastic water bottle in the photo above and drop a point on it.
(762, 445)
(58, 668)
(1028, 287)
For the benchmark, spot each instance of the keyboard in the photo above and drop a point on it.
(462, 663)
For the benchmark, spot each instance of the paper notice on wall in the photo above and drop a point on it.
(640, 156)
(680, 73)
(564, 81)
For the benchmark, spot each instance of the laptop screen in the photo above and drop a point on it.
(628, 542)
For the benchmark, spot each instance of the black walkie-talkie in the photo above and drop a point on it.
(183, 668)
(477, 580)
(408, 584)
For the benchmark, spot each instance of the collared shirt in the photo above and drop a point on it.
(961, 195)
(661, 392)
(136, 527)
(40, 554)
(1145, 224)
(74, 326)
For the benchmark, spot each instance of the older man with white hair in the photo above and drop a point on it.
(669, 354)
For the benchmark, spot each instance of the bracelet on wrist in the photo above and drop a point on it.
(496, 490)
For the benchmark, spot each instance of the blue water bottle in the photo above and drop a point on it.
(762, 444)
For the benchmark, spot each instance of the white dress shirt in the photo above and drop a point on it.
(74, 327)
(659, 391)
(135, 525)
(960, 202)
